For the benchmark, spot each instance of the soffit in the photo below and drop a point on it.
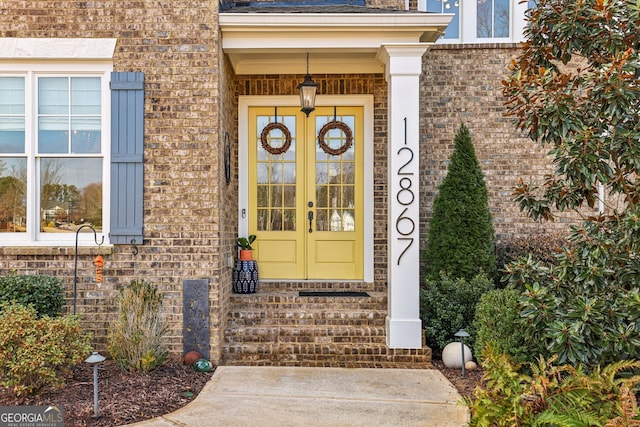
(276, 42)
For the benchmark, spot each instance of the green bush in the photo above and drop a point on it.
(554, 395)
(37, 352)
(542, 247)
(44, 293)
(585, 308)
(448, 305)
(498, 324)
(135, 338)
(461, 236)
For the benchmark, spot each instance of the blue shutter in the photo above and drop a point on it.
(127, 137)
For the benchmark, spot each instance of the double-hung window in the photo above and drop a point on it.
(481, 21)
(54, 151)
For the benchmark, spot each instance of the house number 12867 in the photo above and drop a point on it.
(405, 226)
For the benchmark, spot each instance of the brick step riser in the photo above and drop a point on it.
(320, 334)
(270, 286)
(305, 339)
(275, 299)
(325, 355)
(318, 318)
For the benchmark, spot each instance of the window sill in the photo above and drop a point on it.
(56, 250)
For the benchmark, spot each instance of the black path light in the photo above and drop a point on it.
(462, 334)
(308, 89)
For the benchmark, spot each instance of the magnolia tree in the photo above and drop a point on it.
(575, 88)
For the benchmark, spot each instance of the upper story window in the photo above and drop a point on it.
(53, 152)
(481, 21)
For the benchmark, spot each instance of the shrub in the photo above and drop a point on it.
(542, 247)
(448, 305)
(554, 395)
(37, 352)
(461, 236)
(44, 293)
(498, 324)
(135, 338)
(585, 309)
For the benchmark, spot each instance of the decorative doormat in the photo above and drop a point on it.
(333, 294)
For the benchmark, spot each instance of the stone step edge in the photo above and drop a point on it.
(299, 352)
(294, 296)
(315, 330)
(321, 285)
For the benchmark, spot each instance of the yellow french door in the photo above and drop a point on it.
(305, 192)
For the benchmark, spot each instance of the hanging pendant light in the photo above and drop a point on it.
(308, 90)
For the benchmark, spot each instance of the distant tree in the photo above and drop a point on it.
(461, 235)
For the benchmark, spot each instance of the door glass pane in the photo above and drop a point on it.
(13, 195)
(276, 173)
(335, 173)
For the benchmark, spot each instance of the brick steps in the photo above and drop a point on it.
(277, 327)
(275, 286)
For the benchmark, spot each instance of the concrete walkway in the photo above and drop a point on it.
(297, 396)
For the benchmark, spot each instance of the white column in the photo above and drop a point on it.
(403, 69)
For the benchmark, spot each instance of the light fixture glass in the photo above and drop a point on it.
(308, 89)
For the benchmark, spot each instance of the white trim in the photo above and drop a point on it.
(403, 70)
(31, 70)
(277, 43)
(57, 48)
(467, 23)
(366, 101)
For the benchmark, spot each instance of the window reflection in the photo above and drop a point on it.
(335, 178)
(12, 115)
(447, 6)
(493, 18)
(70, 194)
(276, 176)
(13, 195)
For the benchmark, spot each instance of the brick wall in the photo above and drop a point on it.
(175, 42)
(462, 84)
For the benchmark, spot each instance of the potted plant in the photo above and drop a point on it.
(244, 243)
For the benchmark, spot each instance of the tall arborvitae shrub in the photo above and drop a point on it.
(461, 236)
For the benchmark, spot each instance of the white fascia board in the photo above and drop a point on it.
(275, 43)
(412, 27)
(334, 20)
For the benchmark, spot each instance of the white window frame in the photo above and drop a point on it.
(31, 70)
(468, 20)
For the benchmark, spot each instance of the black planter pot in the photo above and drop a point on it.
(245, 277)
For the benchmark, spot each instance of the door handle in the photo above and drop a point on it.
(310, 216)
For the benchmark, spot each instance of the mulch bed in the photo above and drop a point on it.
(123, 397)
(465, 386)
(126, 398)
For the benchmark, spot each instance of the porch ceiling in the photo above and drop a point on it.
(277, 43)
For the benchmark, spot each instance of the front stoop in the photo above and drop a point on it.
(276, 327)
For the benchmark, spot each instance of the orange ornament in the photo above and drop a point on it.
(99, 263)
